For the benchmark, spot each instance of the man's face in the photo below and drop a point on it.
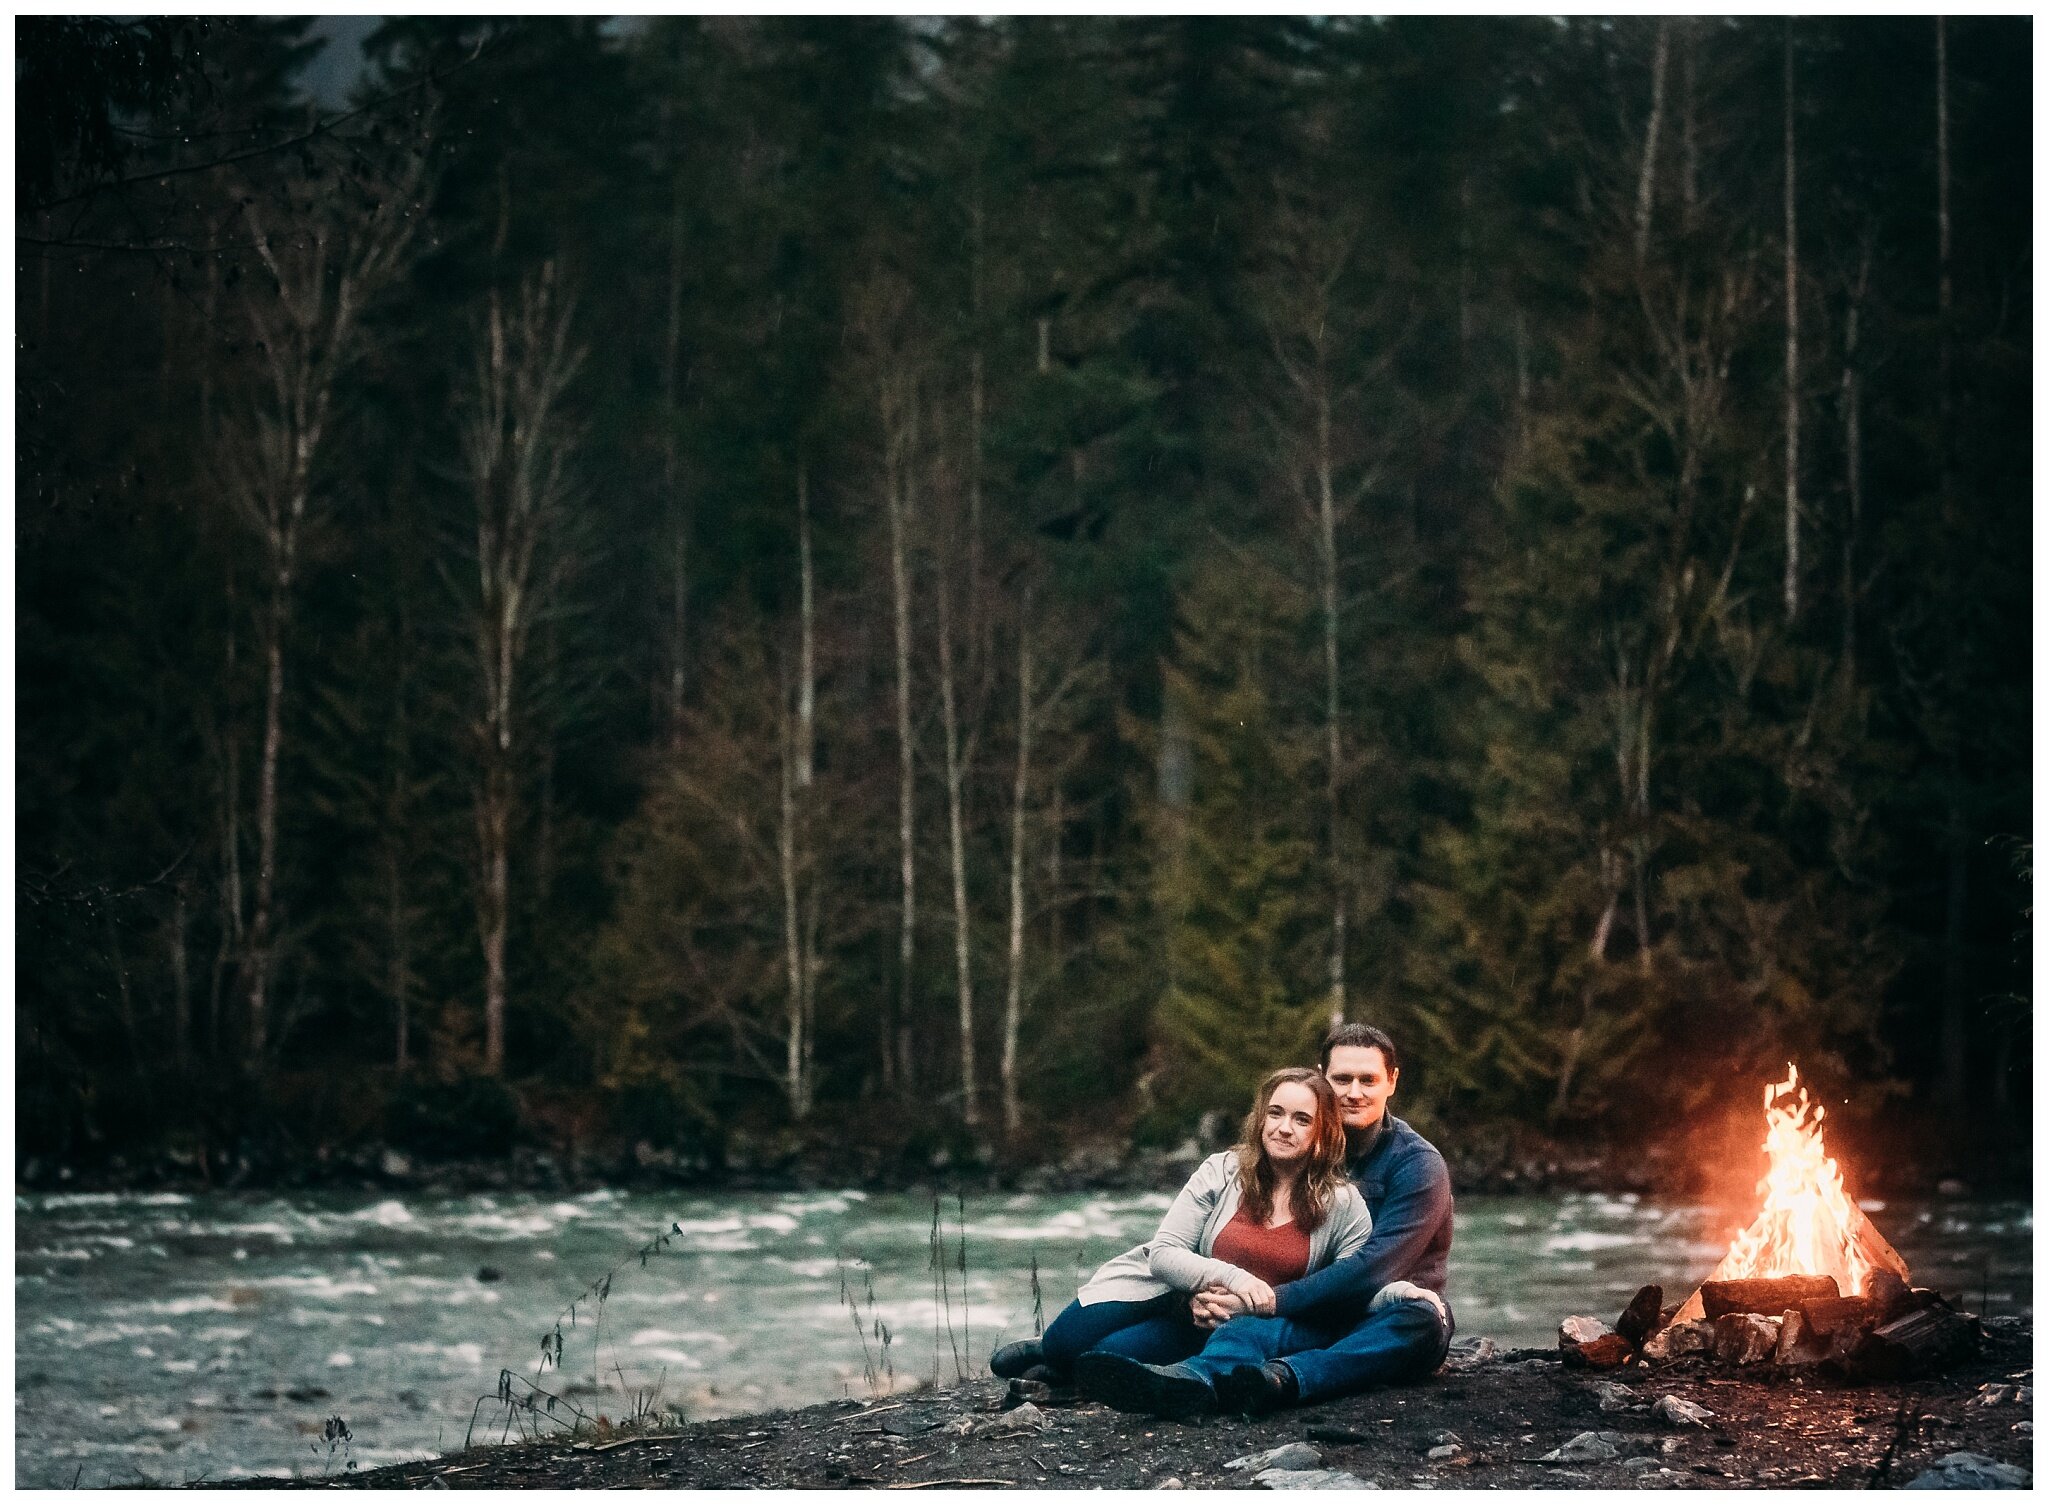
(1359, 1076)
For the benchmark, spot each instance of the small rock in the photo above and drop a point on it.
(1641, 1315)
(1310, 1478)
(1169, 1484)
(1587, 1447)
(1681, 1413)
(1680, 1339)
(1443, 1439)
(1972, 1471)
(1469, 1353)
(1439, 1454)
(1612, 1396)
(1291, 1455)
(2024, 1428)
(1991, 1395)
(1745, 1337)
(437, 1482)
(1024, 1418)
(1590, 1343)
(1639, 1465)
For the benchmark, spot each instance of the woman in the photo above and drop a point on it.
(1273, 1209)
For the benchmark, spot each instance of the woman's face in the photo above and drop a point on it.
(1289, 1125)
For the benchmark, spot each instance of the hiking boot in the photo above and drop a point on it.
(1011, 1360)
(1171, 1391)
(1255, 1390)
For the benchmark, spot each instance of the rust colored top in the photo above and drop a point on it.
(1275, 1255)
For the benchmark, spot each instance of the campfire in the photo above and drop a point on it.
(1810, 1281)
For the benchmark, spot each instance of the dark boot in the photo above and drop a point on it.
(1011, 1360)
(1255, 1389)
(1171, 1391)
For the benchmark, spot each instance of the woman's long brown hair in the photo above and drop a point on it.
(1322, 1171)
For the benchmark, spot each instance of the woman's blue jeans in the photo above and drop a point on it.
(1159, 1331)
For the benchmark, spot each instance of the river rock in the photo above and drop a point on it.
(1745, 1337)
(1024, 1418)
(1680, 1339)
(1641, 1465)
(1291, 1455)
(1440, 1454)
(1590, 1343)
(1469, 1353)
(1587, 1447)
(1680, 1413)
(1613, 1396)
(1310, 1478)
(1972, 1471)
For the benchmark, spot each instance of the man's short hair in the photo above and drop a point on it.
(1361, 1037)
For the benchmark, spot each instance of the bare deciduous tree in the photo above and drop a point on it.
(517, 443)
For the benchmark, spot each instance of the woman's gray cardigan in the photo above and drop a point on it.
(1178, 1257)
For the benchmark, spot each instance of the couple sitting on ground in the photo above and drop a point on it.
(1306, 1263)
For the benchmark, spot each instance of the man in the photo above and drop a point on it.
(1375, 1318)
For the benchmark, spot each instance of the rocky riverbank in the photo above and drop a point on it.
(1481, 1161)
(1511, 1420)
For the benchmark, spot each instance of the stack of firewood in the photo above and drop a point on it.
(1888, 1331)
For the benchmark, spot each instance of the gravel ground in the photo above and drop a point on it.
(1488, 1425)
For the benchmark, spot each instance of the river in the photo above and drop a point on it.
(168, 1338)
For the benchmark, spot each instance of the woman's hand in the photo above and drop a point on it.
(1257, 1296)
(1214, 1306)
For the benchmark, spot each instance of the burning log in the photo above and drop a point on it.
(1809, 1225)
(1828, 1315)
(1766, 1295)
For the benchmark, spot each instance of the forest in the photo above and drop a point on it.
(970, 584)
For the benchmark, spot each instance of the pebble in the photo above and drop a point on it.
(1169, 1484)
(1440, 1439)
(1291, 1455)
(1587, 1447)
(1310, 1478)
(1972, 1471)
(1639, 1465)
(1612, 1396)
(1447, 1450)
(1681, 1413)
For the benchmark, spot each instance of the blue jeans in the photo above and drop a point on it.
(1403, 1341)
(1158, 1331)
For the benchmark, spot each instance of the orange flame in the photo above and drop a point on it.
(1809, 1224)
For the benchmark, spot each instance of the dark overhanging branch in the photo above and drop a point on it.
(327, 127)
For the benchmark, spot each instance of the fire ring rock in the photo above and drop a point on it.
(1745, 1338)
(1589, 1343)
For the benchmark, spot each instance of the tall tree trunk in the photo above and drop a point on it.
(1326, 516)
(1953, 1078)
(899, 424)
(258, 952)
(181, 975)
(1646, 179)
(792, 920)
(675, 508)
(516, 448)
(1852, 442)
(1688, 129)
(1013, 1002)
(970, 1111)
(1791, 344)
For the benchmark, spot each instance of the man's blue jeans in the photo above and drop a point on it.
(1403, 1341)
(1158, 1331)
